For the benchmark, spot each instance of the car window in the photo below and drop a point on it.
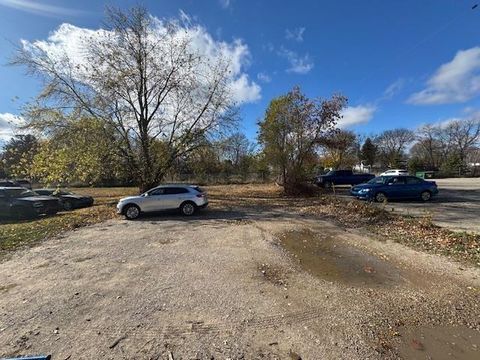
(397, 181)
(414, 180)
(154, 192)
(20, 193)
(377, 180)
(2, 194)
(198, 189)
(174, 191)
(43, 192)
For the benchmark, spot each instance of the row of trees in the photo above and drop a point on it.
(138, 103)
(81, 154)
(298, 137)
(451, 148)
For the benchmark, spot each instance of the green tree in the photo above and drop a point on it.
(79, 151)
(368, 152)
(292, 129)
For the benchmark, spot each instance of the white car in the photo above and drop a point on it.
(186, 198)
(394, 172)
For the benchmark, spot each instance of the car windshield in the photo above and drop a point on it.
(21, 193)
(378, 180)
(331, 172)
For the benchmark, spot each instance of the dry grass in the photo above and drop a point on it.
(15, 235)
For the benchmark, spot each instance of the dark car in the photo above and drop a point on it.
(18, 203)
(68, 200)
(394, 188)
(341, 177)
(16, 183)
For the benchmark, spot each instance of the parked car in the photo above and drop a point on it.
(186, 198)
(393, 172)
(384, 188)
(341, 177)
(16, 183)
(68, 200)
(18, 203)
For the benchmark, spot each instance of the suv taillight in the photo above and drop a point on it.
(200, 195)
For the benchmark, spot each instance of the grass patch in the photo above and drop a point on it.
(15, 235)
(28, 233)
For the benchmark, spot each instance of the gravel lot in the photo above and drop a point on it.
(234, 284)
(457, 206)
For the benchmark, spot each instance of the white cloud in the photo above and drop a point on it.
(264, 77)
(354, 115)
(225, 3)
(69, 40)
(244, 91)
(38, 8)
(298, 64)
(468, 115)
(295, 34)
(393, 89)
(8, 124)
(454, 82)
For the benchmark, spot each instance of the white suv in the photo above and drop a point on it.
(186, 198)
(395, 172)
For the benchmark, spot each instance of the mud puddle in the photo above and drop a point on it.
(449, 342)
(330, 259)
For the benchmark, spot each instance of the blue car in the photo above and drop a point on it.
(384, 188)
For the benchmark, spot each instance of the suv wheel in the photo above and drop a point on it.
(131, 212)
(188, 208)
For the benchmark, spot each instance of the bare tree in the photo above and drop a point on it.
(143, 79)
(235, 147)
(462, 135)
(392, 145)
(428, 146)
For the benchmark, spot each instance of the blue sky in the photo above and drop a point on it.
(400, 63)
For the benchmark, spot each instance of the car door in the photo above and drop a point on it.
(414, 186)
(342, 177)
(397, 187)
(175, 196)
(154, 200)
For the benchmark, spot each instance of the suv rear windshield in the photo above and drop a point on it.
(198, 189)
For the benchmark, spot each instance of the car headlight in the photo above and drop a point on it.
(365, 190)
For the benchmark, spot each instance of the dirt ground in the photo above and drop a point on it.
(235, 282)
(457, 206)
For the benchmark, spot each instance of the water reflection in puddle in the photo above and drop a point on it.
(442, 342)
(327, 258)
